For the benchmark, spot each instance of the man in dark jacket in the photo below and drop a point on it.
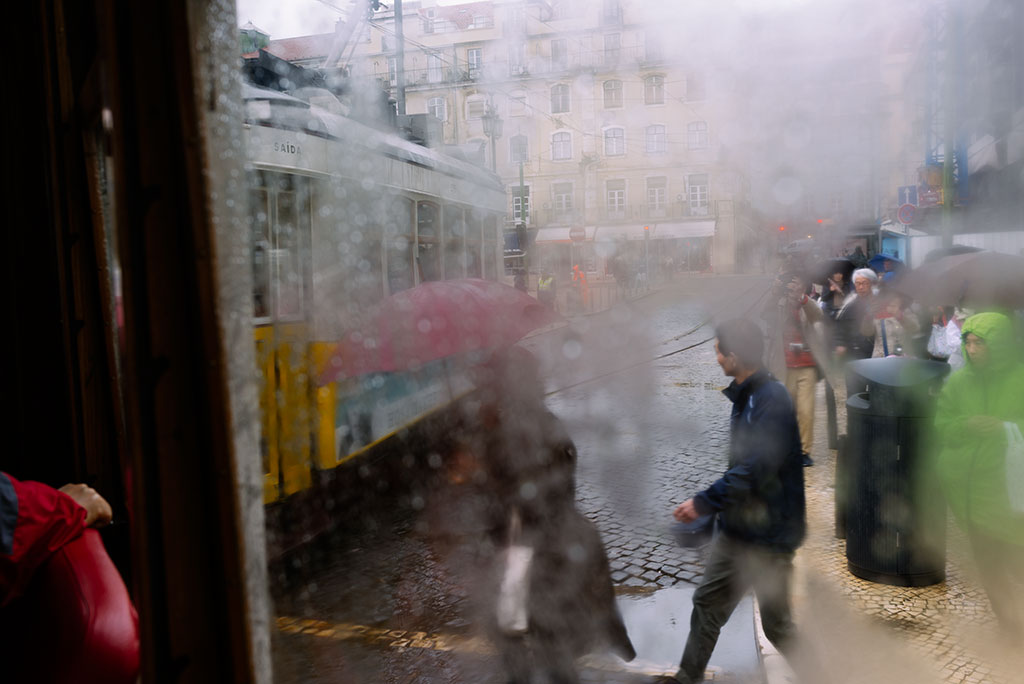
(759, 502)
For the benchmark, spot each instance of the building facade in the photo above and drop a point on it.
(612, 132)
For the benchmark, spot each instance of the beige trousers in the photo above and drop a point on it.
(801, 383)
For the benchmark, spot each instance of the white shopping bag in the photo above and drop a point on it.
(513, 616)
(1014, 466)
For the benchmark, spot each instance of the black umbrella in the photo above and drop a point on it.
(937, 254)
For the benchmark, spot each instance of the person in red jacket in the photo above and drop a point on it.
(60, 593)
(35, 521)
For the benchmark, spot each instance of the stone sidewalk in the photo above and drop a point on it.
(868, 632)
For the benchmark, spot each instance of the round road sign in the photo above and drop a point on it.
(905, 214)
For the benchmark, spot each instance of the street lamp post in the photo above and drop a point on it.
(492, 129)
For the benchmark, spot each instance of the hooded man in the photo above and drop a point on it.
(977, 410)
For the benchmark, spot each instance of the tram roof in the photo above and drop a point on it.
(293, 113)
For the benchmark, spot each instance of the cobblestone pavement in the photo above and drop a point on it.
(880, 633)
(391, 604)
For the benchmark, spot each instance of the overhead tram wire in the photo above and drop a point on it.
(655, 358)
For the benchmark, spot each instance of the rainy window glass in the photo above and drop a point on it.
(429, 442)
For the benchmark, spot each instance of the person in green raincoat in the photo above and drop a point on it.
(973, 408)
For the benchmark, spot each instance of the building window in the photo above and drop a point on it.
(392, 71)
(438, 107)
(474, 59)
(698, 194)
(697, 135)
(655, 139)
(615, 198)
(612, 94)
(695, 88)
(612, 47)
(435, 68)
(614, 142)
(517, 103)
(559, 54)
(518, 149)
(516, 59)
(657, 195)
(835, 203)
(654, 90)
(475, 105)
(561, 199)
(611, 12)
(559, 98)
(561, 146)
(652, 48)
(387, 43)
(520, 204)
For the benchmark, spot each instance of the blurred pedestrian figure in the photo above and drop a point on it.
(853, 337)
(893, 330)
(579, 281)
(546, 292)
(544, 560)
(796, 348)
(859, 258)
(980, 413)
(520, 280)
(759, 502)
(833, 299)
(946, 341)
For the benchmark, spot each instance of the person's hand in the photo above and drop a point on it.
(686, 511)
(97, 510)
(984, 425)
(840, 350)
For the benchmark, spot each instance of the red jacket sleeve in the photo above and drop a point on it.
(35, 521)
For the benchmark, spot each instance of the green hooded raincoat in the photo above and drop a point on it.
(972, 465)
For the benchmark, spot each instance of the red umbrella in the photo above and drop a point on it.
(976, 279)
(434, 320)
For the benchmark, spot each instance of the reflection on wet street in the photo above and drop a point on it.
(397, 597)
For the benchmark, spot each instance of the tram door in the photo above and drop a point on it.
(280, 237)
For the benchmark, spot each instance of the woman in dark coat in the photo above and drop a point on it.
(522, 483)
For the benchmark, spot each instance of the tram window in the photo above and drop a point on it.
(259, 227)
(473, 235)
(399, 228)
(454, 242)
(428, 252)
(490, 265)
(287, 253)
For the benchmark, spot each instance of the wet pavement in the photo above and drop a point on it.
(393, 601)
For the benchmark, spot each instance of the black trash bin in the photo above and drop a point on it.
(895, 513)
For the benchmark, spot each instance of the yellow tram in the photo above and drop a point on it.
(342, 215)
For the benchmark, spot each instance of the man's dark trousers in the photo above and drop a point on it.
(733, 568)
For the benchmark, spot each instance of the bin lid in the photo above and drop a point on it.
(899, 371)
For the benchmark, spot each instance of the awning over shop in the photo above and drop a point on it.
(683, 229)
(560, 234)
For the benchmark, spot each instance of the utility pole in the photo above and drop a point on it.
(522, 207)
(399, 58)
